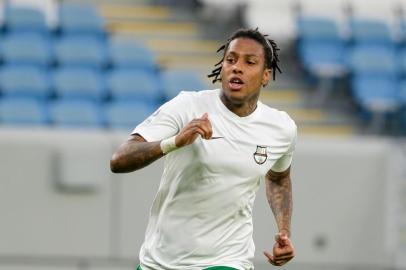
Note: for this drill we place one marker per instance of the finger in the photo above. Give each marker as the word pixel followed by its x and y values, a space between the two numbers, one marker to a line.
pixel 282 261
pixel 205 125
pixel 199 131
pixel 268 255
pixel 270 258
pixel 283 240
pixel 284 257
pixel 207 130
pixel 205 116
pixel 274 262
pixel 280 252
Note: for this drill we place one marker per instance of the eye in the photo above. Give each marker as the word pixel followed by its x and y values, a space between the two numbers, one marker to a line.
pixel 251 62
pixel 230 60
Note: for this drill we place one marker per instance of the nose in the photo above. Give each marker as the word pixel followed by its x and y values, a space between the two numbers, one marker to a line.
pixel 236 67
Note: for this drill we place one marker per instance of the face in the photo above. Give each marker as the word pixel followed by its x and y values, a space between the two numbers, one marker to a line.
pixel 243 70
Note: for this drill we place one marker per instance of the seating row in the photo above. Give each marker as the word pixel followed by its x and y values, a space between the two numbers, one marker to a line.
pixel 35 49
pixel 372 61
pixel 91 84
pixel 257 13
pixel 122 114
pixel 71 19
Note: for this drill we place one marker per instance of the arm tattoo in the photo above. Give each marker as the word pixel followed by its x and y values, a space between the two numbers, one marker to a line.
pixel 279 195
pixel 135 154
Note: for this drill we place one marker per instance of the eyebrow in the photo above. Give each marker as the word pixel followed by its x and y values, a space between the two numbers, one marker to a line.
pixel 246 55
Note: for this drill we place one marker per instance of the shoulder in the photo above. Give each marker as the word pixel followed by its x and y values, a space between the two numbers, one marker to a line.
pixel 196 99
pixel 202 94
pixel 280 119
pixel 187 101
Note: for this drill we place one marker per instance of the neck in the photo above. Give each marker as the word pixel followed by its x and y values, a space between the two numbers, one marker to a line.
pixel 243 108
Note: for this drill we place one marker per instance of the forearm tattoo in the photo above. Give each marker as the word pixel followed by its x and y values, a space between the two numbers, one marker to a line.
pixel 142 153
pixel 279 195
pixel 134 155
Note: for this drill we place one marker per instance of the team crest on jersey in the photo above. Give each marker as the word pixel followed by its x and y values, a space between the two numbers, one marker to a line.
pixel 260 155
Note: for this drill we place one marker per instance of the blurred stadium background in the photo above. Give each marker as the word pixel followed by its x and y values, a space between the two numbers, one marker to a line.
pixel 77 76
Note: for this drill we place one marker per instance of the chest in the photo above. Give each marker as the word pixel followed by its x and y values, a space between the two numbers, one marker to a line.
pixel 241 150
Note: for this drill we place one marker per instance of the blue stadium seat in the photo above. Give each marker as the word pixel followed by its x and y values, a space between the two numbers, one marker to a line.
pixel 80 19
pixel 403 122
pixel 137 84
pixel 22 111
pixel 370 32
pixel 126 53
pixel 27 49
pixel 79 83
pixel 365 59
pixel 402 92
pixel 402 30
pixel 25 81
pixel 401 61
pixel 323 58
pixel 177 80
pixel 80 51
pixel 76 114
pixel 25 19
pixel 378 98
pixel 126 115
pixel 318 28
pixel 377 93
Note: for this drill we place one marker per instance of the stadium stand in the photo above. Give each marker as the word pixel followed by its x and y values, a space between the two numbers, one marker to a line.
pixel 126 114
pixel 321 50
pixel 84 51
pixel 25 19
pixel 76 114
pixel 25 81
pixel 370 31
pixel 79 83
pixel 135 84
pixel 176 80
pixel 130 53
pixel 23 112
pixel 27 49
pixel 48 9
pixel 364 43
pixel 80 19
pixel 96 57
pixel 258 13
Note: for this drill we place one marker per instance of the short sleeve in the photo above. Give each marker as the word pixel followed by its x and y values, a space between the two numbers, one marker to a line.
pixel 283 163
pixel 165 122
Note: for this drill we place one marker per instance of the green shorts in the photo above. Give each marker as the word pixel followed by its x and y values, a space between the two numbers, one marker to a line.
pixel 210 268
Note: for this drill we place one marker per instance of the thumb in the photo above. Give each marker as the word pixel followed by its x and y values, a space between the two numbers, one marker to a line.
pixel 281 238
pixel 205 116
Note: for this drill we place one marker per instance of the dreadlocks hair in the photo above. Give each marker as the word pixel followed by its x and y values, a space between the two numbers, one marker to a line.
pixel 270 49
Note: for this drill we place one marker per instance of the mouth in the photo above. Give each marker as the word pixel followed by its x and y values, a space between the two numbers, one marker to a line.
pixel 235 83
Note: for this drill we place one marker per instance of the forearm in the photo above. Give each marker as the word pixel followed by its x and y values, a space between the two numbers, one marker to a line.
pixel 135 154
pixel 279 195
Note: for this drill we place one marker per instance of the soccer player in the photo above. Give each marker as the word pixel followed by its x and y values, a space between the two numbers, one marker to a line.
pixel 218 145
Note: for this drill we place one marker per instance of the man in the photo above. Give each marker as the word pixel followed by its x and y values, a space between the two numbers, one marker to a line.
pixel 218 145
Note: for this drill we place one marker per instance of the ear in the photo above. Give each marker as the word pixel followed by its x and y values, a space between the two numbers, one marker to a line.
pixel 265 76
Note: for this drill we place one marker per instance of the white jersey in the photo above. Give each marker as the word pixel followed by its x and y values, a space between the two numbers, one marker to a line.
pixel 202 213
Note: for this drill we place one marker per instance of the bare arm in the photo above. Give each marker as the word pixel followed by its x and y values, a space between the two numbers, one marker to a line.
pixel 279 195
pixel 136 152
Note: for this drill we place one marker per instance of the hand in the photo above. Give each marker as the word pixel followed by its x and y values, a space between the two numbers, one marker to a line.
pixel 198 126
pixel 283 250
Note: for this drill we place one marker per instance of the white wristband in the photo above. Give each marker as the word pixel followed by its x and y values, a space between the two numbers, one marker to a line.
pixel 168 145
